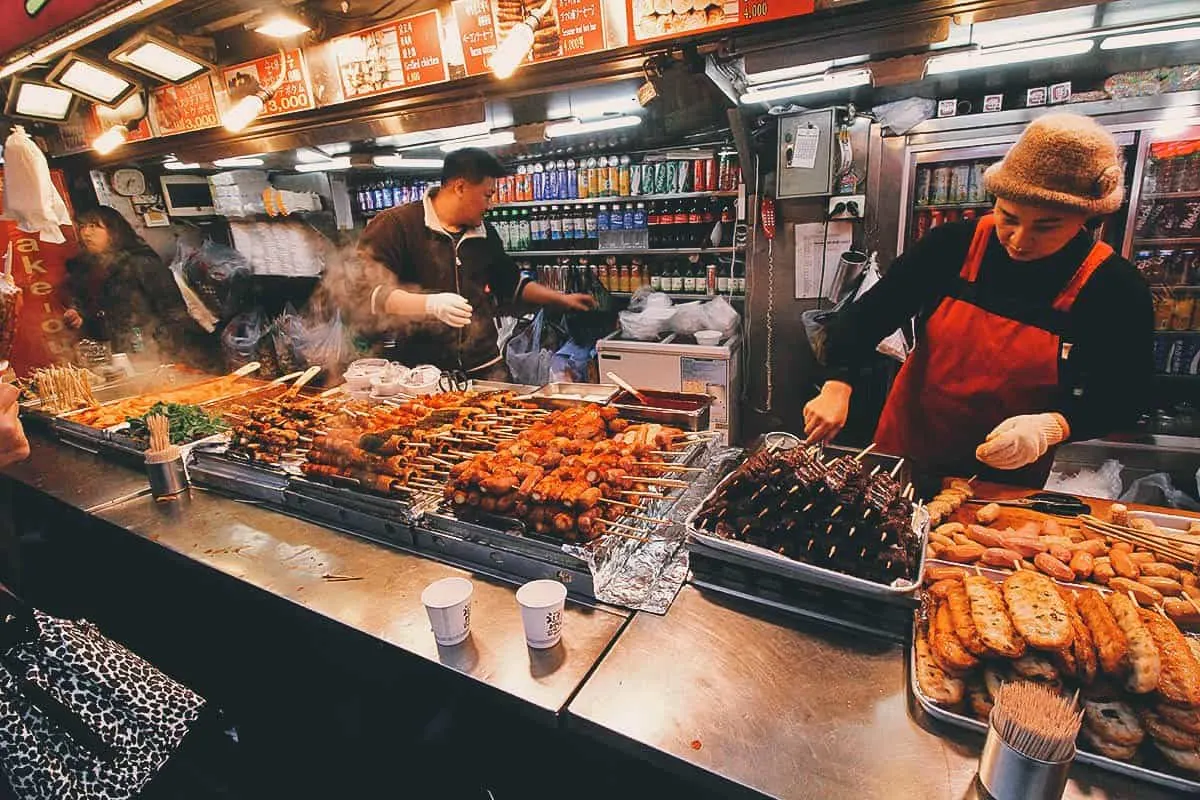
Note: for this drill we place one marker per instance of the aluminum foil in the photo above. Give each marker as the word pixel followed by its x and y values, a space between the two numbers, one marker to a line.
pixel 646 575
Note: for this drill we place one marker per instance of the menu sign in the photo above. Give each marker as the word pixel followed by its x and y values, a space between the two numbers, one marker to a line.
pixel 658 19
pixel 294 94
pixel 399 54
pixel 138 133
pixel 474 18
pixel 189 107
pixel 582 24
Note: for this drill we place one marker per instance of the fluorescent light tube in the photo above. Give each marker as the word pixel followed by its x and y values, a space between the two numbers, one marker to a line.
pixel 158 60
pixel 282 27
pixel 574 127
pixel 492 140
pixel 239 161
pixel 43 102
pixel 325 166
pixel 401 162
pixel 824 83
pixel 983 59
pixel 177 165
pixel 1167 36
pixel 92 82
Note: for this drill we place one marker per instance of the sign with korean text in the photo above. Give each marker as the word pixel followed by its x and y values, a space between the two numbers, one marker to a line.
pixel 398 55
pixel 180 109
pixel 478 34
pixel 25 22
pixel 294 94
pixel 661 19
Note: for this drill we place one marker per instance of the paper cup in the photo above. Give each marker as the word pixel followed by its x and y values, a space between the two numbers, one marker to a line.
pixel 542 612
pixel 448 603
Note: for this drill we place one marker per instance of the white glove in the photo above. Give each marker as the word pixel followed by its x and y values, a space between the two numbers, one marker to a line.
pixel 1022 440
pixel 452 309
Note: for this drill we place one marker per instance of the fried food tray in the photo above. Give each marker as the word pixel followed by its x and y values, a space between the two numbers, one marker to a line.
pixel 1150 774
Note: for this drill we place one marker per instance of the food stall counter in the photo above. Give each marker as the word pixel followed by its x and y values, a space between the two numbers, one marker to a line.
pixel 73 476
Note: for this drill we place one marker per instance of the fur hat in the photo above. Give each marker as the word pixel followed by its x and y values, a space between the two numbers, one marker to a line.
pixel 1064 161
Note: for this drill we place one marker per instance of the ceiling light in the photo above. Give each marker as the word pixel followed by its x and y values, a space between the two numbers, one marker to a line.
pixel 1168 36
pixel 110 140
pixel 239 161
pixel 336 149
pixel 822 83
pixel 517 44
pixel 342 162
pixel 306 155
pixel 244 111
pixel 786 73
pixel 601 108
pixel 91 81
pixel 177 165
pixel 33 100
pixel 982 59
pixel 574 127
pixel 89 31
pixel 434 136
pixel 492 140
pixel 159 58
pixel 282 27
pixel 400 162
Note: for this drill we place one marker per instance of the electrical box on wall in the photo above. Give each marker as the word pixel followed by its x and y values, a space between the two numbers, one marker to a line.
pixel 804 163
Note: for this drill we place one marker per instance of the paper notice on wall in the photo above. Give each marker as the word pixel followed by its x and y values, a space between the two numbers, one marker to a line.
pixel 818 248
pixel 804 149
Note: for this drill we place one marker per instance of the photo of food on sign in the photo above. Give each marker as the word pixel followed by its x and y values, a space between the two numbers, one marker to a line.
pixel 547 39
pixel 653 18
pixel 370 61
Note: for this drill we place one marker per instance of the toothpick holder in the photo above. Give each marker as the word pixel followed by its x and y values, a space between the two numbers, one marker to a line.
pixel 168 477
pixel 1009 775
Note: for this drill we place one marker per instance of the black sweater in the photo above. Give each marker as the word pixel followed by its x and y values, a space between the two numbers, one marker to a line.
pixel 1103 384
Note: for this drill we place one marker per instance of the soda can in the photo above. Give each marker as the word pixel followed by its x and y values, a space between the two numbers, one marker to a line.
pixel 664 181
pixel 921 193
pixel 698 176
pixel 960 183
pixel 683 176
pixel 710 174
pixel 635 180
pixel 939 190
pixel 977 192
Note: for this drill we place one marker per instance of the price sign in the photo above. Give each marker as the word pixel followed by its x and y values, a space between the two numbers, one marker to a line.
pixel 294 94
pixel 406 52
pixel 474 18
pixel 189 107
pixel 647 20
pixel 582 25
pixel 755 11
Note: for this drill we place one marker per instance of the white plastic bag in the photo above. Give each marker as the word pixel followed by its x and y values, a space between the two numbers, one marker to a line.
pixel 195 306
pixel 715 315
pixel 1157 490
pixel 903 115
pixel 1104 483
pixel 29 195
pixel 653 318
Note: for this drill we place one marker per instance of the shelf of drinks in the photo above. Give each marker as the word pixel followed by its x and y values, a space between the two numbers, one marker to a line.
pixel 951 206
pixel 657 251
pixel 639 198
pixel 687 296
pixel 1171 195
pixel 1140 242
pixel 1177 333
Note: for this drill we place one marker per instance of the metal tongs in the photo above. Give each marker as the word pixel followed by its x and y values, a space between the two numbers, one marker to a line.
pixel 1061 505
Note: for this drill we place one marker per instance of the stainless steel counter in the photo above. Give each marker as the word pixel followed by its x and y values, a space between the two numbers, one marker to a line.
pixel 299 561
pixel 762 708
pixel 74 476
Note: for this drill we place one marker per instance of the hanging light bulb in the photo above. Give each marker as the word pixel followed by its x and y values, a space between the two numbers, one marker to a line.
pixel 110 140
pixel 517 44
pixel 244 111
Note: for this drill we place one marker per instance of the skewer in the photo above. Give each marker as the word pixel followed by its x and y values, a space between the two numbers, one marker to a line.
pixel 629 493
pixel 868 449
pixel 655 520
pixel 661 482
pixel 896 469
pixel 621 503
pixel 668 467
pixel 1192 600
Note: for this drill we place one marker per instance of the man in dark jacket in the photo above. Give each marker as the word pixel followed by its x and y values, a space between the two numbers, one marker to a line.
pixel 452 270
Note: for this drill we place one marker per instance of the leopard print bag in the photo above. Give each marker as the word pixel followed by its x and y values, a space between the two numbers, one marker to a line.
pixel 82 717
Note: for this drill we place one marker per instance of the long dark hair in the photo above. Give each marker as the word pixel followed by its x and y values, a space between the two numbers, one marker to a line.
pixel 122 237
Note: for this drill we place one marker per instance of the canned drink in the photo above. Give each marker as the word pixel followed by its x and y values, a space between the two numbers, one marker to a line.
pixel 977 192
pixel 725 173
pixel 960 183
pixel 683 177
pixel 921 192
pixel 939 190
pixel 698 176
pixel 710 283
pixel 635 179
pixel 710 174
pixel 664 181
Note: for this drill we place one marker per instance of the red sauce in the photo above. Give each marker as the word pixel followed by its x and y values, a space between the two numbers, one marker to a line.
pixel 665 400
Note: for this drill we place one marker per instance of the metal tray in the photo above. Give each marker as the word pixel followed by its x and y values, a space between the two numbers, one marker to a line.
pixel 749 555
pixel 1169 780
pixel 690 420
pixel 567 395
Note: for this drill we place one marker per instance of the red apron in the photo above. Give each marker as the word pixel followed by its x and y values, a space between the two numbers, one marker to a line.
pixel 972 370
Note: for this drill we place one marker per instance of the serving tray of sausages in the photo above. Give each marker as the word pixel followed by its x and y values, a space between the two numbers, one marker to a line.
pixel 1136 672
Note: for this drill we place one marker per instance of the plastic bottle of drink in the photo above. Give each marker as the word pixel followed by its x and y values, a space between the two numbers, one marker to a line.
pixel 593 178
pixel 580 227
pixel 694 219
pixel 539 182
pixel 627 217
pixel 602 177
pixel 524 228
pixel 556 228
pixel 572 180
pixel 602 219
pixel 682 236
pixel 623 176
pixel 654 223
pixel 639 217
pixel 723 279
pixel 614 176
pixel 728 222
pixel 616 220
pixel 739 278
pixel 677 279
pixel 591 234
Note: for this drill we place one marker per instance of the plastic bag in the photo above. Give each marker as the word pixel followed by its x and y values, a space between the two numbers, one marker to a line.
pixel 329 345
pixel 195 306
pixel 570 363
pixel 240 339
pixel 287 337
pixel 1104 483
pixel 1157 490
pixel 903 115
pixel 29 195
pixel 219 274
pixel 527 360
pixel 649 315
pixel 715 315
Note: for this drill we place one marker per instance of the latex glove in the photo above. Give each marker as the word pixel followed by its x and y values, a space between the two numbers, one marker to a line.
pixel 452 309
pixel 1022 440
pixel 825 414
pixel 14 446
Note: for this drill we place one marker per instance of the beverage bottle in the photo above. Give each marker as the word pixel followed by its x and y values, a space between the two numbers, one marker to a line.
pixel 694 219
pixel 708 222
pixel 365 202
pixel 689 278
pixel 623 278
pixel 603 221
pixel 739 278
pixel 655 279
pixel 560 180
pixel 654 223
pixel 723 278
pixel 525 229
pixel 381 202
pixel 522 173
pixel 728 222
pixel 568 224
pixel 936 218
pixel 725 173
pixel 681 238
pixel 593 178
pixel 602 177
pixel 583 188
pixel 623 176
pixel 591 234
pixel 539 182
pixel 627 217
pixel 572 180
pixel 710 279
pixel 677 279
pixel 581 234
pixel 616 220
pixel 602 275
pixel 639 217
pixel 556 228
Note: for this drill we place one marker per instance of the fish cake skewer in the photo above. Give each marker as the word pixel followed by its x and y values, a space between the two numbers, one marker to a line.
pixel 1179 672
pixel 1112 648
pixel 948 650
pixel 1143 653
pixel 1037 611
pixel 959 605
pixel 991 618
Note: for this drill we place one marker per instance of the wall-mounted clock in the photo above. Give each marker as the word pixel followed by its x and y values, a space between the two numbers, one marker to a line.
pixel 129 182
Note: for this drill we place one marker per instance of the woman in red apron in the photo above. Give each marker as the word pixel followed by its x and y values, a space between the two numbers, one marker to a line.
pixel 1030 331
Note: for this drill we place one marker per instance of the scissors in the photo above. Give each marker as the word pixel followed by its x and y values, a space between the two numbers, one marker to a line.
pixel 1062 505
pixel 454 380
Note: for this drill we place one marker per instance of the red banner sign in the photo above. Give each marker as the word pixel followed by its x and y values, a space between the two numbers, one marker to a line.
pixel 180 109
pixel 664 19
pixel 27 22
pixel 294 94
pixel 474 18
pixel 582 23
pixel 407 52
pixel 138 133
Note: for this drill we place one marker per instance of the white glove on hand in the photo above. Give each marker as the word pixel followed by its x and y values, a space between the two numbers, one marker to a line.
pixel 1022 440
pixel 452 309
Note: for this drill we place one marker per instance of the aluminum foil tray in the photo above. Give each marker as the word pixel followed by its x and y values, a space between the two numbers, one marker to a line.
pixel 1190 786
pixel 215 470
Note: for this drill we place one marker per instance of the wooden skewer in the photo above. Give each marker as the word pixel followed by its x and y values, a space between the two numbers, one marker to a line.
pixel 668 467
pixel 655 520
pixel 621 503
pixel 863 454
pixel 1192 600
pixel 896 469
pixel 629 493
pixel 660 482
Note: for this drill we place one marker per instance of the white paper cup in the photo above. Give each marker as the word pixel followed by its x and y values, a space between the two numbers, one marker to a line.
pixel 542 612
pixel 448 603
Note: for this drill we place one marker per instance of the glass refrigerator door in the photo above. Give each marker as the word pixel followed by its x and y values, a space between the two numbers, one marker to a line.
pixel 1166 250
pixel 947 186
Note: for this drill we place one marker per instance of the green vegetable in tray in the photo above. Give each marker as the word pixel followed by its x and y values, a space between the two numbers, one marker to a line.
pixel 188 423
